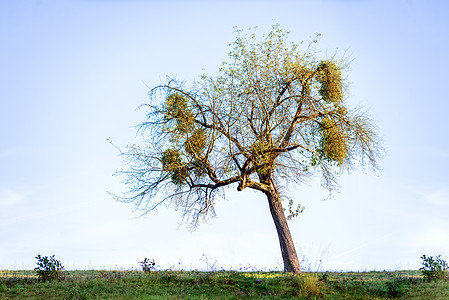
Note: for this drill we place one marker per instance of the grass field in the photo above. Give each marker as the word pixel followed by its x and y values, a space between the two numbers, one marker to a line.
pixel 221 285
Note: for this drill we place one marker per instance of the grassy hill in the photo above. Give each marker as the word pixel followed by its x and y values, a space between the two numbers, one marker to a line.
pixel 221 285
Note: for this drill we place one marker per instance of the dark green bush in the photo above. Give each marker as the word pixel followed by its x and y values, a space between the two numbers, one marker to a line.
pixel 396 288
pixel 48 268
pixel 147 265
pixel 434 268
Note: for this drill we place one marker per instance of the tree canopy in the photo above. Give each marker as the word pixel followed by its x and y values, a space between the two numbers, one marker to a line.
pixel 273 116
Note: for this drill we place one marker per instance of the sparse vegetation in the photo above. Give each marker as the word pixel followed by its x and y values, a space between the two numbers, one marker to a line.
pixel 168 284
pixel 151 283
pixel 434 268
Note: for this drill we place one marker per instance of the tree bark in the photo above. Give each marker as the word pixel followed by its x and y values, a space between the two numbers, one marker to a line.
pixel 291 262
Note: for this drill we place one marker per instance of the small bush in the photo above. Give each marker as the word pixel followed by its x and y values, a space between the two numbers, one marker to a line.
pixel 324 278
pixel 147 265
pixel 48 268
pixel 434 268
pixel 396 288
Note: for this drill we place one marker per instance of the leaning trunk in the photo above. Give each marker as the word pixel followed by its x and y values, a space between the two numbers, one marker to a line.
pixel 291 263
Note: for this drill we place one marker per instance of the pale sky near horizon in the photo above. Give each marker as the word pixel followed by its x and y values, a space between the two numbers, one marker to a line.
pixel 73 72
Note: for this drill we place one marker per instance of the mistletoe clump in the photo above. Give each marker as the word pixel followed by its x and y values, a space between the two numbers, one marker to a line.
pixel 195 142
pixel 260 151
pixel 176 108
pixel 334 141
pixel 329 76
pixel 173 165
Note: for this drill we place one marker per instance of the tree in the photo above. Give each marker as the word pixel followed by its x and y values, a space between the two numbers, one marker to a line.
pixel 273 116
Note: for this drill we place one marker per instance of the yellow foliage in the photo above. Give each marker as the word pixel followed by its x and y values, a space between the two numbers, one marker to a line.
pixel 260 151
pixel 195 142
pixel 172 163
pixel 329 76
pixel 171 160
pixel 199 167
pixel 334 142
pixel 176 107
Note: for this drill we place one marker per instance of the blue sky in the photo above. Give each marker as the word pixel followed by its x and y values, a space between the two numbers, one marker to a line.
pixel 73 73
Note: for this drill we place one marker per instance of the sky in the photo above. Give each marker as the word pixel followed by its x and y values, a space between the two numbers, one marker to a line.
pixel 73 73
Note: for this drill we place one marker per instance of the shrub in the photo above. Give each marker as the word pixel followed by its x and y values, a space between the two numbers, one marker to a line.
pixel 434 268
pixel 48 268
pixel 396 288
pixel 147 265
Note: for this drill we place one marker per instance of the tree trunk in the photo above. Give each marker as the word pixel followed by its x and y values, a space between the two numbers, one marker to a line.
pixel 291 262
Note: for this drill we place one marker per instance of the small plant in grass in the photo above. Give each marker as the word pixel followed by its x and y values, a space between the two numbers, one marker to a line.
pixel 310 285
pixel 307 285
pixel 147 265
pixel 434 268
pixel 48 268
pixel 324 277
pixel 396 288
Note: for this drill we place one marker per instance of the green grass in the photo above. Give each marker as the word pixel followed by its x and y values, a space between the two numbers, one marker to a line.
pixel 221 285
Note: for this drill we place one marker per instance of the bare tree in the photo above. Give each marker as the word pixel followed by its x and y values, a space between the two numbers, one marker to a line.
pixel 273 116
